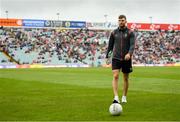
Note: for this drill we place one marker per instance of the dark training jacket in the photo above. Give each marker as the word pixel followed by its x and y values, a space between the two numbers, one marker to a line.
pixel 121 42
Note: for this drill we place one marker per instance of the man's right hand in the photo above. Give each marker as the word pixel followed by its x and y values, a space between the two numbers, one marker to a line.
pixel 107 61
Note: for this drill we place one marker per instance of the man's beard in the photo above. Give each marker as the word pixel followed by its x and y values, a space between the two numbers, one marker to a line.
pixel 121 26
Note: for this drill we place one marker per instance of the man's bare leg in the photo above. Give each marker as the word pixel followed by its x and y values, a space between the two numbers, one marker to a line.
pixel 115 84
pixel 125 86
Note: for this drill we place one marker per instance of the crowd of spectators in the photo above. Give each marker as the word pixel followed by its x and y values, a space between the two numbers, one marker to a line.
pixel 157 47
pixel 85 46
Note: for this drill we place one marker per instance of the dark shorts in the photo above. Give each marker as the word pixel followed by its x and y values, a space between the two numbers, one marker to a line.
pixel 126 66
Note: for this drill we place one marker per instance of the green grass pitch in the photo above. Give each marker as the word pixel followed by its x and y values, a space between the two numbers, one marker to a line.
pixel 85 94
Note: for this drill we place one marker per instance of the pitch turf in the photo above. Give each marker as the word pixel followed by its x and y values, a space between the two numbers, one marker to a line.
pixel 86 93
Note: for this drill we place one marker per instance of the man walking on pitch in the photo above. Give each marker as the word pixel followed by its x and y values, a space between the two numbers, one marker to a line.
pixel 121 44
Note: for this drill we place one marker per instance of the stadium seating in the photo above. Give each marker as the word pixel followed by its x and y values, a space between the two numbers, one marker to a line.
pixel 4 60
pixel 83 46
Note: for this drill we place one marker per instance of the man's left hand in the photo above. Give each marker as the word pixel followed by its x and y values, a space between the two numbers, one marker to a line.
pixel 127 57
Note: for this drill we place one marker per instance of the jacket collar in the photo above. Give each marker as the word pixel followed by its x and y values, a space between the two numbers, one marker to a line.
pixel 122 29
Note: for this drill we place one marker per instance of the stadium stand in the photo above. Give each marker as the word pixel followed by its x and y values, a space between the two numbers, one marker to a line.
pixel 83 46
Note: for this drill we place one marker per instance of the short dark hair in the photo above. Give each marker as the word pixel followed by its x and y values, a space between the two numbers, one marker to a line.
pixel 122 16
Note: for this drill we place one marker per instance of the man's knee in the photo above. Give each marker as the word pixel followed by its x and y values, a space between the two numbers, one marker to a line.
pixel 116 76
pixel 126 77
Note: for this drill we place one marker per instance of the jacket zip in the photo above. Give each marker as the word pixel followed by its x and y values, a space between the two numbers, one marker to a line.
pixel 121 46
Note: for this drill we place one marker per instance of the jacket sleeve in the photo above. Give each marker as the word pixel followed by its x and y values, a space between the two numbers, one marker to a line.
pixel 110 45
pixel 132 43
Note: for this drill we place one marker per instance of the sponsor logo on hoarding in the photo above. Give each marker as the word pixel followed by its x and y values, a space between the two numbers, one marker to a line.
pixel 77 24
pixel 10 22
pixel 135 26
pixel 96 25
pixel 49 23
pixel 19 22
pixel 172 27
pixel 33 23
pixel 154 27
pixel 67 24
pixel 73 24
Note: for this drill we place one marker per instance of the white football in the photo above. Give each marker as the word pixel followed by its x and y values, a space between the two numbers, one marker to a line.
pixel 115 109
